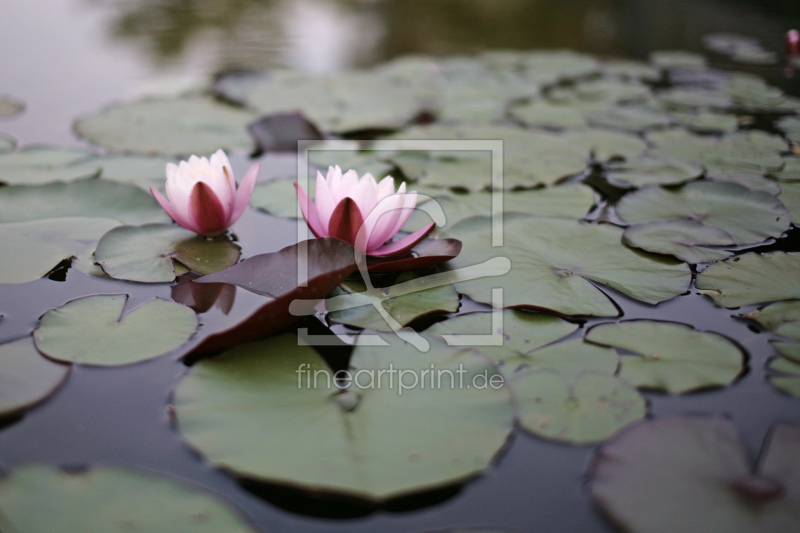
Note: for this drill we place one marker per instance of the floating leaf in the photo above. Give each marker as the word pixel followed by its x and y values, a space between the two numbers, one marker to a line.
pixel 142 171
pixel 171 126
pixel 790 196
pixel 553 259
pixel 92 330
pixel 687 240
pixel 469 170
pixel 374 440
pixel 669 356
pixel 787 378
pixel 753 94
pixel 668 59
pixel 790 170
pixel 790 350
pixel 629 118
pixel 752 278
pixel 631 69
pixel 372 161
pixel 605 145
pixel 146 253
pixel 651 171
pixel 680 98
pixel 32 249
pixel 282 131
pixel 405 301
pixel 782 318
pixel 588 409
pixel 569 358
pixel 326 263
pixel 106 499
pixel 707 122
pixel 427 253
pixel 791 127
pixel 749 217
pixel 693 474
pixel 278 198
pixel 753 182
pixel 543 114
pixel 84 198
pixel 35 165
pixel 27 377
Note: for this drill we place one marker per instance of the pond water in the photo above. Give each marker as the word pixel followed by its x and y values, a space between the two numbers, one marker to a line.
pixel 69 58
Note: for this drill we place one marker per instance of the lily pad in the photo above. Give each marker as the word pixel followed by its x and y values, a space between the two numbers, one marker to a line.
pixel 786 377
pixel 544 114
pixel 625 68
pixel 749 217
pixel 569 358
pixel 147 253
pixel 518 332
pixel 32 249
pixel 373 440
pixel 752 278
pixel 468 170
pixel 790 170
pixel 85 198
pixel 170 126
pixel 605 145
pixel 405 301
pixel 553 259
pixel 35 165
pixel 791 127
pixel 109 499
pixel 668 59
pixel 782 318
pixel 628 118
pixel 707 122
pixel 687 240
pixel 790 196
pixel 651 171
pixel 790 350
pixel 140 170
pixel 278 198
pixel 7 143
pixel 693 474
pixel 669 356
pixel 92 330
pixel 27 377
pixel 10 106
pixel 588 409
pixel 682 99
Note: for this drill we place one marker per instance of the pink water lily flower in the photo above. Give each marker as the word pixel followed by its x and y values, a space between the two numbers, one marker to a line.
pixel 203 196
pixel 344 204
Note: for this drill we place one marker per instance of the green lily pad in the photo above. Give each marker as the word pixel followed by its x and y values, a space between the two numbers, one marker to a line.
pixel 553 259
pixel 628 118
pixel 35 165
pixel 405 301
pixel 544 114
pixel 10 106
pixel 669 356
pixel 629 69
pixel 746 151
pixel 753 182
pixel 707 122
pixel 786 377
pixel 142 171
pixel 569 358
pixel 84 198
pixel 752 278
pixel 467 170
pixel 518 332
pixel 7 143
pixel 790 350
pixel 668 59
pixel 694 474
pixel 790 196
pixel 32 249
pixel 278 198
pixel 605 145
pixel 652 171
pixel 791 127
pixel 748 216
pixel 108 500
pixel 170 126
pixel 752 93
pixel 92 330
pixel 529 158
pixel 782 318
pixel 790 170
pixel 588 409
pixel 373 440
pixel 679 98
pixel 600 93
pixel 687 240
pixel 146 253
pixel 545 67
pixel 27 377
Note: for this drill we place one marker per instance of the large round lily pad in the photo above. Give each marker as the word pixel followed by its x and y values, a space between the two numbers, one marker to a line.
pixel 694 475
pixel 782 318
pixel 32 249
pixel 140 170
pixel 669 356
pixel 27 377
pixel 146 253
pixel 278 198
pixel 748 216
pixel 171 126
pixel 687 240
pixel 605 145
pixel 109 500
pixel 91 330
pixel 652 171
pixel 587 409
pixel 37 164
pixel 786 375
pixel 407 300
pixel 552 261
pixel 790 196
pixel 752 278
pixel 374 440
pixel 84 198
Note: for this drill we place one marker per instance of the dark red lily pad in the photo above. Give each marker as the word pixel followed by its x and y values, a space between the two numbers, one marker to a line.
pixel 275 276
pixel 281 131
pixel 426 253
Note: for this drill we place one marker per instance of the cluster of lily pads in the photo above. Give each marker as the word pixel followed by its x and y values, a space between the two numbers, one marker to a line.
pixel 645 179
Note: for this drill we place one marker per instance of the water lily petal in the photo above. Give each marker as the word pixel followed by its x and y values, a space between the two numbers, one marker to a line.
pixel 383 219
pixel 409 201
pixel 171 211
pixel 324 198
pixel 403 245
pixel 365 193
pixel 345 222
pixel 209 215
pixel 243 194
pixel 310 213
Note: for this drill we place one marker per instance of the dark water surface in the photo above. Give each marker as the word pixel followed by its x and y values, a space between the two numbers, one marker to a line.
pixel 69 57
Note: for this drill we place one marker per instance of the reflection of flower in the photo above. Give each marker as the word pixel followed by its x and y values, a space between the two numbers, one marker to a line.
pixel 343 201
pixel 203 196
